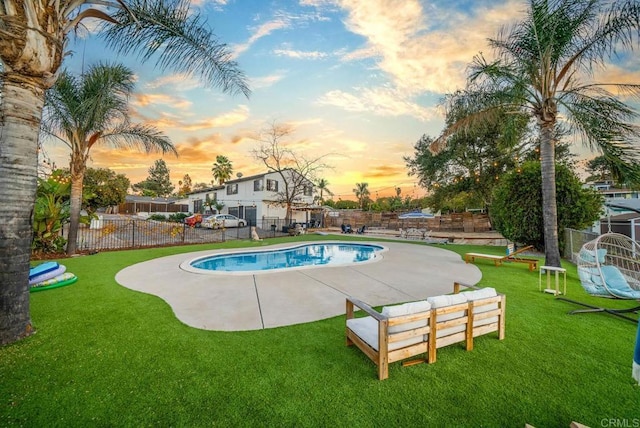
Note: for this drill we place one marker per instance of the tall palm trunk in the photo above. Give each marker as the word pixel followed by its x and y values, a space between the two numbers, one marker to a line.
pixel 20 113
pixel 78 168
pixel 549 202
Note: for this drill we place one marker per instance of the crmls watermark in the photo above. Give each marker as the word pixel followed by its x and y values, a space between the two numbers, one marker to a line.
pixel 620 423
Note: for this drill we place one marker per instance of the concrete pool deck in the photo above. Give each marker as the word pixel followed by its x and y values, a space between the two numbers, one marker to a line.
pixel 235 302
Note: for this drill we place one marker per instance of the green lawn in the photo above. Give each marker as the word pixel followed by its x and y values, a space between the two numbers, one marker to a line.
pixel 104 355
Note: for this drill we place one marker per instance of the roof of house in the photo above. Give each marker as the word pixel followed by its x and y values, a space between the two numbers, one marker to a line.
pixel 150 199
pixel 621 217
pixel 632 204
pixel 206 189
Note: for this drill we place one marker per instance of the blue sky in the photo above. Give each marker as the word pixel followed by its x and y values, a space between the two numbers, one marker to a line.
pixel 357 80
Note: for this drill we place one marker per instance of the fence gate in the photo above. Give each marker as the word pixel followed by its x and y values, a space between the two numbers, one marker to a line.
pixel 250 215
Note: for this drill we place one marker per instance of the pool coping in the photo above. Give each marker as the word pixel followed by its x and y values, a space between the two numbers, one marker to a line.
pixel 187 264
pixel 407 272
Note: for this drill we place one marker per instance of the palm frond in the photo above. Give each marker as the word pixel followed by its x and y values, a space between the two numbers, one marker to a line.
pixel 139 137
pixel 180 39
pixel 603 121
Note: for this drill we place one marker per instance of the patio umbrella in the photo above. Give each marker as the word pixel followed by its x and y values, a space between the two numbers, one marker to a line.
pixel 636 357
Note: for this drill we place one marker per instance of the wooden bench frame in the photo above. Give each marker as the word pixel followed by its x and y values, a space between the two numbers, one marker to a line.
pixel 508 258
pixel 383 357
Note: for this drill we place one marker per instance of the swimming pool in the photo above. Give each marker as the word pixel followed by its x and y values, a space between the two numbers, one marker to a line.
pixel 297 257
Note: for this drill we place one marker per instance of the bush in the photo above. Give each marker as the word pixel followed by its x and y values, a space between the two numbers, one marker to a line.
pixel 178 217
pixel 157 217
pixel 516 211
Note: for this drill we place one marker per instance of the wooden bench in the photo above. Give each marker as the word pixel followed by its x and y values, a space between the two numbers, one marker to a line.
pixel 403 331
pixel 512 257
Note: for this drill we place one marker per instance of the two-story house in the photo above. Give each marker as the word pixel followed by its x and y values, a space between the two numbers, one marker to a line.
pixel 259 197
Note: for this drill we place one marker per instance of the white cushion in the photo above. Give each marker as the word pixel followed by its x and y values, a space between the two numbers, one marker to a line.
pixel 483 293
pixel 448 300
pixel 407 309
pixel 444 301
pixel 367 329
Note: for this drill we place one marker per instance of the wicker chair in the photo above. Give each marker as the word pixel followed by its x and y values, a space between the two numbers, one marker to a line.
pixel 609 266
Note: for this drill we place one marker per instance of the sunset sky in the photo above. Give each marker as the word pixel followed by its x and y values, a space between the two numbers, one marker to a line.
pixel 359 80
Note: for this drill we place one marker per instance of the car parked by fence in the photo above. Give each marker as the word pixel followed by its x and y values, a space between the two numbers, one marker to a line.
pixel 223 220
pixel 193 220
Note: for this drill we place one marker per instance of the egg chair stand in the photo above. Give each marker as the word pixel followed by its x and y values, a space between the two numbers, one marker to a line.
pixel 592 309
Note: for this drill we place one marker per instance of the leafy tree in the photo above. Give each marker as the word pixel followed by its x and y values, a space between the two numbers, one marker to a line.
pixel 104 188
pixel 346 205
pixel 90 110
pixel 158 183
pixel 543 69
pixel 201 186
pixel 222 169
pixel 472 160
pixel 32 46
pixel 212 204
pixel 605 167
pixel 51 212
pixel 517 210
pixel 362 194
pixel 296 171
pixel 184 185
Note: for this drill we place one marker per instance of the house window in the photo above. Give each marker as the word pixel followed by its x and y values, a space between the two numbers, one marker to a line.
pixel 272 185
pixel 232 189
pixel 197 205
pixel 308 190
pixel 257 186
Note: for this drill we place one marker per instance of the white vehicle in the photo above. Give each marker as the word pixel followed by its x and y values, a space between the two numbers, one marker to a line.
pixel 223 220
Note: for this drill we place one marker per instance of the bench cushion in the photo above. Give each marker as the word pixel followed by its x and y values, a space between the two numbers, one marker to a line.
pixel 367 329
pixel 407 309
pixel 483 293
pixel 444 301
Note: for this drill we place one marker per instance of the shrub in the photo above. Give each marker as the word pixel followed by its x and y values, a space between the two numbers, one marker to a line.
pixel 516 211
pixel 178 217
pixel 157 217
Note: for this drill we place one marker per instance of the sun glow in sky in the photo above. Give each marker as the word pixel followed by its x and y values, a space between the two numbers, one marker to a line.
pixel 358 80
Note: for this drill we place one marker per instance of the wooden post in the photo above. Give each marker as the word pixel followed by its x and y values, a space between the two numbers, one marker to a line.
pixel 383 350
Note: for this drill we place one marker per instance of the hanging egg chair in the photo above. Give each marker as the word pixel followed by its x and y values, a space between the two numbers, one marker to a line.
pixel 609 266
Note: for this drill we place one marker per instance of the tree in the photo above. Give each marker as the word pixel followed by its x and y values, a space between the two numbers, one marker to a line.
pixel 184 186
pixel 222 169
pixel 91 110
pixel 322 188
pixel 603 168
pixel 362 194
pixel 201 186
pixel 104 188
pixel 33 38
pixel 471 162
pixel 158 183
pixel 296 171
pixel 543 69
pixel 50 212
pixel 516 211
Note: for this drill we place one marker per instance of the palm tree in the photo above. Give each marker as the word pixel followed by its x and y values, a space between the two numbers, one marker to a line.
pixel 222 169
pixel 544 69
pixel 33 38
pixel 322 186
pixel 362 193
pixel 93 110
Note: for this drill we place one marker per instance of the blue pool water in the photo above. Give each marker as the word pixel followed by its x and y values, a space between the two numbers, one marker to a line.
pixel 292 257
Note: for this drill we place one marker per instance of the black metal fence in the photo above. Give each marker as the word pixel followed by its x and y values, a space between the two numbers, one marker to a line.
pixel 126 233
